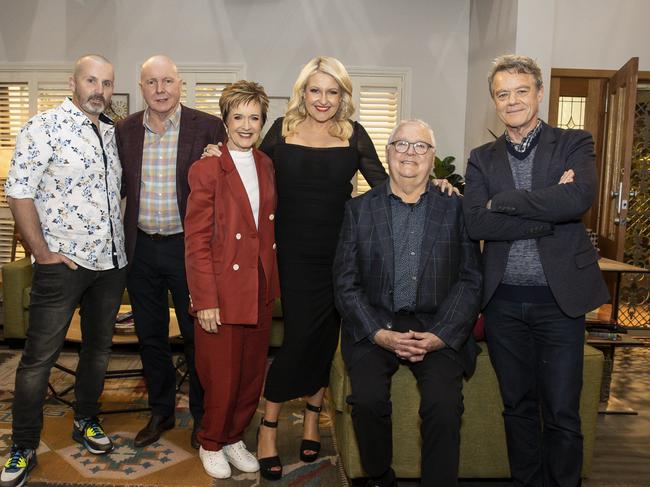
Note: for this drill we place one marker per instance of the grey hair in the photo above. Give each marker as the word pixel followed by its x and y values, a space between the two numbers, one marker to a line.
pixel 515 64
pixel 415 121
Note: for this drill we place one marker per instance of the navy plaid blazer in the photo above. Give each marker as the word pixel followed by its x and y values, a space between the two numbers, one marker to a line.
pixel 449 275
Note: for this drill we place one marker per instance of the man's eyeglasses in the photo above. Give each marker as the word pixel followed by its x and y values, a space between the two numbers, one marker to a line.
pixel 419 147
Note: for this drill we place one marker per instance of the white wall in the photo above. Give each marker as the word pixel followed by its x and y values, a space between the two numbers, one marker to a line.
pixel 601 34
pixel 493 31
pixel 273 38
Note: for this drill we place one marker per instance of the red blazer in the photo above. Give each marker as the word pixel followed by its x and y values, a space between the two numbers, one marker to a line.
pixel 222 244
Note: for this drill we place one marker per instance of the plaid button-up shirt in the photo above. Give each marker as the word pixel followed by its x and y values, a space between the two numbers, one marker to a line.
pixel 158 200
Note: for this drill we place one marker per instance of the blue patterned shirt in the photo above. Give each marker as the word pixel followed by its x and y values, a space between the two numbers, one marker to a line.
pixel 58 162
pixel 407 227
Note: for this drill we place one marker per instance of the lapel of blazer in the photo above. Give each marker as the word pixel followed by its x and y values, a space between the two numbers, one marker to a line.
pixel 380 214
pixel 236 187
pixel 134 149
pixel 264 180
pixel 434 218
pixel 502 173
pixel 542 161
pixel 185 138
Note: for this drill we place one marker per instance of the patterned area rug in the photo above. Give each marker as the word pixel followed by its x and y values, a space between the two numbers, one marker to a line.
pixel 168 462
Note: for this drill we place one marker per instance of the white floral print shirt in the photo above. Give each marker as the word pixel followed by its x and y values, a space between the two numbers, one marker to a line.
pixel 58 163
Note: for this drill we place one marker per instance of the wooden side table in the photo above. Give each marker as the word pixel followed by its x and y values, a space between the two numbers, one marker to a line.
pixel 609 403
pixel 74 335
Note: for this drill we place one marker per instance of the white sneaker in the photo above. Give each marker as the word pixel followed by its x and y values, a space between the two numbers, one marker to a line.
pixel 240 457
pixel 215 463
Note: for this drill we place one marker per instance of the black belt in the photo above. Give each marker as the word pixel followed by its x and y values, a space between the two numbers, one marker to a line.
pixel 160 236
pixel 405 312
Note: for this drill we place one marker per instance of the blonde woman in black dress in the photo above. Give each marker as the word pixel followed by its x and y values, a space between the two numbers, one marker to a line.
pixel 316 151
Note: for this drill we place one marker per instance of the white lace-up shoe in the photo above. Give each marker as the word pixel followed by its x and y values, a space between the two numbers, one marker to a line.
pixel 215 463
pixel 240 457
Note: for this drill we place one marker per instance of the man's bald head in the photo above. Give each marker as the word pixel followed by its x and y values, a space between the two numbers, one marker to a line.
pixel 159 61
pixel 161 86
pixel 91 84
pixel 83 61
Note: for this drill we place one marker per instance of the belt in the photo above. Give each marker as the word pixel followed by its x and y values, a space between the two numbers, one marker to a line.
pixel 160 236
pixel 405 312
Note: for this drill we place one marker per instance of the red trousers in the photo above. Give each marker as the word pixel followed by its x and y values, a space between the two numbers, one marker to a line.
pixel 231 366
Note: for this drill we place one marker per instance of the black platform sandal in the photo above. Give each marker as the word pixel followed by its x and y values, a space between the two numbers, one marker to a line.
pixel 310 444
pixel 269 463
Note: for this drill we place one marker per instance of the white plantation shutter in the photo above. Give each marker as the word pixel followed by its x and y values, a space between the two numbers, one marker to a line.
pixel 205 97
pixel 24 91
pixel 378 113
pixel 380 98
pixel 19 102
pixel 51 94
pixel 14 112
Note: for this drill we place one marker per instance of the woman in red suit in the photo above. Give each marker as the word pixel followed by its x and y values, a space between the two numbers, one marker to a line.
pixel 233 278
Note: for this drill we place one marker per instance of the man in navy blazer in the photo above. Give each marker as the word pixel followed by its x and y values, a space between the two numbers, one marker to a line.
pixel 525 195
pixel 157 146
pixel 408 285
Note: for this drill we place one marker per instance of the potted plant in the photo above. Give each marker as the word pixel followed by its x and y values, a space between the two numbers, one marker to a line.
pixel 444 169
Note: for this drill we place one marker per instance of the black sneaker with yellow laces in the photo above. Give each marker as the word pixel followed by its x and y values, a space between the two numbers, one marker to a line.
pixel 17 467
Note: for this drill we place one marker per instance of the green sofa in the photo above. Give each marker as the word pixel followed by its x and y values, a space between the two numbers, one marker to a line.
pixel 483 445
pixel 17 280
pixel 16 283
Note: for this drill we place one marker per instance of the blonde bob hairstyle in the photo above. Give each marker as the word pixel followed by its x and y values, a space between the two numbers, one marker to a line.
pixel 296 110
pixel 243 92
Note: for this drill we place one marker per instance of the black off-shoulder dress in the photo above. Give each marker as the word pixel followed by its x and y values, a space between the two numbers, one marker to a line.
pixel 313 185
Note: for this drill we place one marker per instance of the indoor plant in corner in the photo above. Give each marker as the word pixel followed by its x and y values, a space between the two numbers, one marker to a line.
pixel 444 169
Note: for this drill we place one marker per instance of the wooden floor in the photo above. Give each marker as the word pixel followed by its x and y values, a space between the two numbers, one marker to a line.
pixel 622 456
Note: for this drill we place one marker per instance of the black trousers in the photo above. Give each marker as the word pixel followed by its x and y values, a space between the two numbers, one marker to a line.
pixel 158 268
pixel 537 353
pixel 56 291
pixel 440 379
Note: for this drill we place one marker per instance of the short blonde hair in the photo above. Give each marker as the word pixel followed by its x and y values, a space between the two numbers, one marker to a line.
pixel 243 92
pixel 296 110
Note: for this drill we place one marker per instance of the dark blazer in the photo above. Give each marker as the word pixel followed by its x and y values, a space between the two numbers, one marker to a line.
pixel 197 129
pixel 222 244
pixel 449 275
pixel 550 212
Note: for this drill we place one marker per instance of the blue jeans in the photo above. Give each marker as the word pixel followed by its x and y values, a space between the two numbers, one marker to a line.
pixel 537 353
pixel 56 291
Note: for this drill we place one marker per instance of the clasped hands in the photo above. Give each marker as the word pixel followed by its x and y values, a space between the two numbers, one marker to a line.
pixel 410 345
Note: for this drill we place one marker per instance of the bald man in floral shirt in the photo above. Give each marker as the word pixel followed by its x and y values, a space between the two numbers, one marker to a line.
pixel 64 192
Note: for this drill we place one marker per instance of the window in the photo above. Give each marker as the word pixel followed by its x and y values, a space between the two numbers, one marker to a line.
pixel 381 98
pixel 25 91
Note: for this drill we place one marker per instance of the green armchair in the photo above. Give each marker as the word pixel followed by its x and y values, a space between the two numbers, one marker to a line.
pixel 16 282
pixel 483 451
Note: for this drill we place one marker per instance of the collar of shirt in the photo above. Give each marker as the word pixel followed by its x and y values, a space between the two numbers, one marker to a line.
pixel 392 195
pixel 105 124
pixel 528 141
pixel 173 121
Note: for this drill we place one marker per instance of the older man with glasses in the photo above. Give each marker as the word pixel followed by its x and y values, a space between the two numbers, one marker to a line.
pixel 408 285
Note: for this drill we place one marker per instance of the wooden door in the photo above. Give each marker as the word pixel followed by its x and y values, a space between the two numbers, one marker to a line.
pixel 615 172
